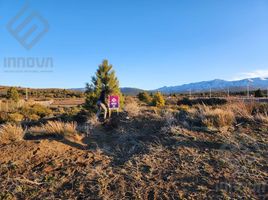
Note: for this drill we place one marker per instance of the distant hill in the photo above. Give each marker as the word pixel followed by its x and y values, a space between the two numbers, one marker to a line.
pixel 217 85
pixel 124 90
pixel 131 91
pixel 79 89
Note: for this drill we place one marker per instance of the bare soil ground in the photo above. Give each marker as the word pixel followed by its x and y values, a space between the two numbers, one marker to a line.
pixel 135 159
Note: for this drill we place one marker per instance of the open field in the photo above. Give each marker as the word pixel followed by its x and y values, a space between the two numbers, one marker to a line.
pixel 174 152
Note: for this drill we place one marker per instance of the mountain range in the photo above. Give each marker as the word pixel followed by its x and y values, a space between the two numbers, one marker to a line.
pixel 218 85
pixel 204 86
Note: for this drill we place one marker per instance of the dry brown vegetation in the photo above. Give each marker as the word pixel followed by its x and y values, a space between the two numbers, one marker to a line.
pixel 182 152
pixel 10 133
pixel 132 107
pixel 55 128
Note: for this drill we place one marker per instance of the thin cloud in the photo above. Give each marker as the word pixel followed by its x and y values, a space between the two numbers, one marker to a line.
pixel 262 74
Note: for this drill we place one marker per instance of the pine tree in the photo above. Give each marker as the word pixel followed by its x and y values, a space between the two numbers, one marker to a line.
pixel 106 79
pixel 13 94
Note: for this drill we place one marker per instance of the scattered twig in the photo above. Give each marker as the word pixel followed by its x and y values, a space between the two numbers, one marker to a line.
pixel 25 180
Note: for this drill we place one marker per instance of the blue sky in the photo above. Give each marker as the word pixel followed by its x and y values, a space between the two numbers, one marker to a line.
pixel 151 43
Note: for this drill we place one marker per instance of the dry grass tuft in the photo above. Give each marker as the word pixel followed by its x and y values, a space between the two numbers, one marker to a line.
pixel 242 110
pixel 218 118
pixel 184 107
pixel 262 118
pixel 55 128
pixel 93 121
pixel 132 107
pixel 11 133
pixel 202 116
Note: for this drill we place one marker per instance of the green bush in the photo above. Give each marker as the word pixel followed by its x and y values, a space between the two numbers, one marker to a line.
pixel 13 94
pixel 31 112
pixel 83 116
pixel 145 97
pixel 41 111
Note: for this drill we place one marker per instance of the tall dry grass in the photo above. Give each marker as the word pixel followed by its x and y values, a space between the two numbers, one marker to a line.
pixel 132 107
pixel 263 118
pixel 227 115
pixel 252 111
pixel 55 128
pixel 11 133
pixel 242 109
pixel 8 106
pixel 218 117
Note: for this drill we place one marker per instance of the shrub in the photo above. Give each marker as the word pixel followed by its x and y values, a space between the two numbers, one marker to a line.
pixel 33 117
pixel 30 112
pixel 208 102
pixel 145 97
pixel 171 101
pixel 40 110
pixel 184 107
pixel 8 106
pixel 82 116
pixel 170 123
pixel 15 117
pixel 158 100
pixel 13 94
pixel 185 101
pixel 73 111
pixel 11 133
pixel 70 114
